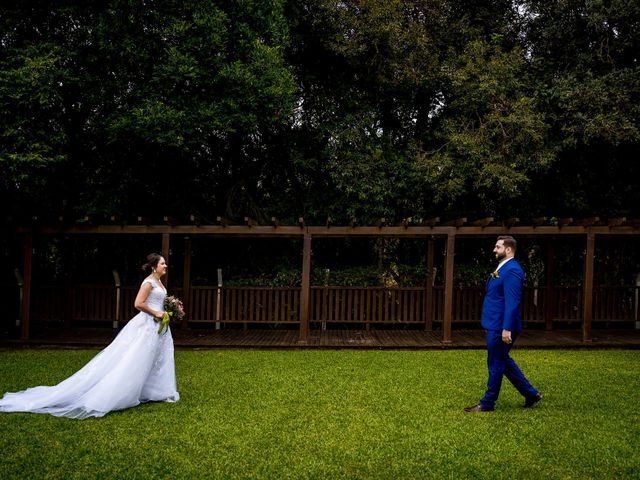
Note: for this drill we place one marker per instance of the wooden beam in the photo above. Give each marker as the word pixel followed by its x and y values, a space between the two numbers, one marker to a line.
pixel 186 282
pixel 322 230
pixel 305 292
pixel 26 287
pixel 117 220
pixel 250 222
pixel 195 219
pixel 616 222
pixel 587 305
pixel 428 291
pixel 165 254
pixel 382 231
pixel 549 301
pixel 483 222
pixel 456 223
pixel 585 222
pixel 431 222
pixel 448 290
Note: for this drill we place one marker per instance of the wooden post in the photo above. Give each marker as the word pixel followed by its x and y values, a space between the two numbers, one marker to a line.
pixel 428 291
pixel 219 299
pixel 26 293
pixel 186 281
pixel 550 301
pixel 587 296
pixel 305 290
pixel 448 289
pixel 165 254
pixel 118 285
pixel 68 309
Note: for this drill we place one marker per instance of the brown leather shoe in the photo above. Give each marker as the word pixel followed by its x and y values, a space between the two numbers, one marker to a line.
pixel 478 408
pixel 531 401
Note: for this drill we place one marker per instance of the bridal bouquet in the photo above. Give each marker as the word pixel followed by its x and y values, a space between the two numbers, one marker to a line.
pixel 173 309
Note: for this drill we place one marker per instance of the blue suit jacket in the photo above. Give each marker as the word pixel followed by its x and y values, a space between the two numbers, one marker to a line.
pixel 501 306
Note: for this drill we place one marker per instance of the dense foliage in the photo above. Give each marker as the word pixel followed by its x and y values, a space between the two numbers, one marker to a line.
pixel 139 108
pixel 319 108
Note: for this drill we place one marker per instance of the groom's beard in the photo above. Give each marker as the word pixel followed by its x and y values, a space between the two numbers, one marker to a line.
pixel 501 256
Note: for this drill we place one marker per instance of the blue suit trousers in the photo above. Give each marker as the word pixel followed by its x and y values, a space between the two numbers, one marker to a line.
pixel 500 364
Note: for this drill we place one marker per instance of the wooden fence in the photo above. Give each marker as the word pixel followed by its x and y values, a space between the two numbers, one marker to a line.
pixel 329 305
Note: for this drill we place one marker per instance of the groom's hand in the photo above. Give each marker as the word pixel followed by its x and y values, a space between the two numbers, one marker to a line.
pixel 506 336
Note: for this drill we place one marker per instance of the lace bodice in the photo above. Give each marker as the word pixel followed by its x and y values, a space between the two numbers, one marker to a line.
pixel 156 297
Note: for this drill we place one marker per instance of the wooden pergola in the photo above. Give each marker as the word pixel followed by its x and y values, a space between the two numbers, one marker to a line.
pixel 587 229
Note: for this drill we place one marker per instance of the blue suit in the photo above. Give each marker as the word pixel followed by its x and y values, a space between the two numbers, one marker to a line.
pixel 501 311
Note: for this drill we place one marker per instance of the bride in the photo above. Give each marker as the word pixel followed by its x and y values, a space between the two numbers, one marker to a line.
pixel 136 367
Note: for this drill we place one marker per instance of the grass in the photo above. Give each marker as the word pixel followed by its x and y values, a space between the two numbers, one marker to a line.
pixel 338 414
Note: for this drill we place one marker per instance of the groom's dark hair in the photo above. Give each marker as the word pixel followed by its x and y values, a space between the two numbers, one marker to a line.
pixel 509 241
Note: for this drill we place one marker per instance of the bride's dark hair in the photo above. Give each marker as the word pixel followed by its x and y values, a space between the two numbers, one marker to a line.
pixel 152 262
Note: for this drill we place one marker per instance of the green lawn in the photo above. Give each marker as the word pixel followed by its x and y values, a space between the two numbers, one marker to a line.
pixel 338 414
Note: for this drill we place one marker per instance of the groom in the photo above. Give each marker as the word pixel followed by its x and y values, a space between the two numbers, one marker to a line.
pixel 502 320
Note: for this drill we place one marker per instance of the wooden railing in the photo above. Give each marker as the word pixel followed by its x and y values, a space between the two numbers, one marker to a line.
pixel 344 305
pixel 244 305
pixel 80 303
pixel 367 305
pixel 616 303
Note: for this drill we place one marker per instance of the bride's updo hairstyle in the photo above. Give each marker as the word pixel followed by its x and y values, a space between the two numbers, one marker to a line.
pixel 152 262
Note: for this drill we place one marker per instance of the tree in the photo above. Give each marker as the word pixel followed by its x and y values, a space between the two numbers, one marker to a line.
pixel 390 93
pixel 584 60
pixel 492 133
pixel 163 105
pixel 369 78
pixel 402 108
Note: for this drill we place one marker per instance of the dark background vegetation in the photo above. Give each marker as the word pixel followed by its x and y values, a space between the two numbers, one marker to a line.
pixel 355 109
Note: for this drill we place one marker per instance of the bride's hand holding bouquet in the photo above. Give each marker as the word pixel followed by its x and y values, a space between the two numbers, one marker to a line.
pixel 173 309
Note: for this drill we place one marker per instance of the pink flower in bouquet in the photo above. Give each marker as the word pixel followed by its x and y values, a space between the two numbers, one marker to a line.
pixel 173 309
pixel 174 306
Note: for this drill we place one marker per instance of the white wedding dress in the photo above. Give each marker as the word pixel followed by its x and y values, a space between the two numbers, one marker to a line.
pixel 136 367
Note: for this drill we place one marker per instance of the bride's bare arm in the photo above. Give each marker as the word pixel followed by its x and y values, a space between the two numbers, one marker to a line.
pixel 141 298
